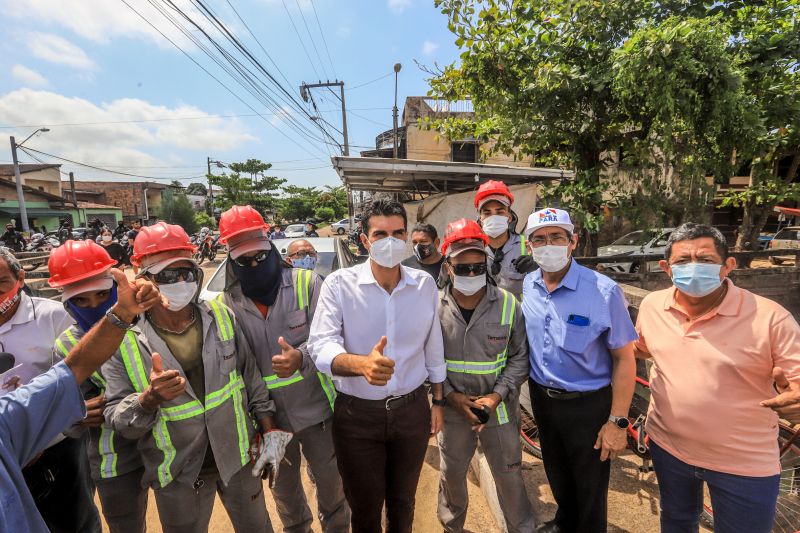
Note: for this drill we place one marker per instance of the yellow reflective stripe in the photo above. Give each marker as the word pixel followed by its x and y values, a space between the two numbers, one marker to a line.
pixel 236 385
pixel 502 413
pixel 108 461
pixel 307 285
pixel 224 324
pixel 477 367
pixel 219 397
pixel 132 359
pixel 61 348
pixel 182 412
pixel 164 443
pixel 327 386
pixel 274 382
pixel 99 381
pixel 522 249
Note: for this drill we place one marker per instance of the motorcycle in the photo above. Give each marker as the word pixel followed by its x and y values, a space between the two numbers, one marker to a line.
pixel 39 243
pixel 207 247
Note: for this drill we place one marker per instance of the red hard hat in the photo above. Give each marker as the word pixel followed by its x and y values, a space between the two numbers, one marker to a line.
pixel 75 261
pixel 492 188
pixel 463 229
pixel 240 219
pixel 160 237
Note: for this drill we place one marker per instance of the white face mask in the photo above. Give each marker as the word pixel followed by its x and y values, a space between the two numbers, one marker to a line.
pixel 179 294
pixel 106 238
pixel 495 225
pixel 388 252
pixel 469 285
pixel 551 258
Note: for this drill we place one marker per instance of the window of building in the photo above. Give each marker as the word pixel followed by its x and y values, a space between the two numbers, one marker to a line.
pixel 464 152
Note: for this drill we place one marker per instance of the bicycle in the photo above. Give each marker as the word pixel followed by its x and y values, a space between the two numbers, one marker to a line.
pixel 787 516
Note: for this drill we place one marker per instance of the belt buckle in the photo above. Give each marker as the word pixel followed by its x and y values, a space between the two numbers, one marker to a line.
pixel 391 399
pixel 552 393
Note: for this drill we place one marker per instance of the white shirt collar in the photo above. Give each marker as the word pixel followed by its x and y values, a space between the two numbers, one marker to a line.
pixel 365 276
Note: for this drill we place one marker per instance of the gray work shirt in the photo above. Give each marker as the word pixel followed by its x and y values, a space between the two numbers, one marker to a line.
pixel 508 278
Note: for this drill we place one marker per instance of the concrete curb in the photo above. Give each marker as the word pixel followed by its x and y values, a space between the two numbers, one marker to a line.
pixel 480 467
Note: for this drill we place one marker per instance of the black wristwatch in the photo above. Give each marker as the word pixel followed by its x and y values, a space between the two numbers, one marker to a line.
pixel 117 321
pixel 621 422
pixel 439 403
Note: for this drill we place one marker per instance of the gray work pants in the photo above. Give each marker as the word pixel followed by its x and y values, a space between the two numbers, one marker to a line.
pixel 184 508
pixel 290 499
pixel 503 451
pixel 124 502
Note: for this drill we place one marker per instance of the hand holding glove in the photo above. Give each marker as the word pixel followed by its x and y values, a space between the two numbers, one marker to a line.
pixel 524 264
pixel 267 452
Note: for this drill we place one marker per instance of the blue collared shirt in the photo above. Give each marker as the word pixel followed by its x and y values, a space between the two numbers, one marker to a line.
pixel 30 417
pixel 572 329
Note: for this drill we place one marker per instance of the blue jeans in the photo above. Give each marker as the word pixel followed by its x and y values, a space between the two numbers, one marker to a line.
pixel 740 503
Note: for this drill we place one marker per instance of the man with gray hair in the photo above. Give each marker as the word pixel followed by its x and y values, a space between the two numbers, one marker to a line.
pixel 59 480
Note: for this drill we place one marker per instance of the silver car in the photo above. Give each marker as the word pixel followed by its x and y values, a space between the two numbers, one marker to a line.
pixel 341 227
pixel 640 242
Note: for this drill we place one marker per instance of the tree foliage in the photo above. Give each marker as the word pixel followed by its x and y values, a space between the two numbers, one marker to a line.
pixel 671 91
pixel 177 209
pixel 197 188
pixel 247 185
pixel 303 203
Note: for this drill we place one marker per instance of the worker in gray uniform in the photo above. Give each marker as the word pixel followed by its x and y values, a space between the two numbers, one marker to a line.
pixel 186 384
pixel 506 253
pixel 274 304
pixel 82 270
pixel 487 362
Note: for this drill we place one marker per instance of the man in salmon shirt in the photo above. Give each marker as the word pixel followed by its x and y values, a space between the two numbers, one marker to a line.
pixel 718 351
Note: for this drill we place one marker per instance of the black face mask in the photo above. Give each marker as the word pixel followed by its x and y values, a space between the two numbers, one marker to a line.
pixel 423 251
pixel 261 282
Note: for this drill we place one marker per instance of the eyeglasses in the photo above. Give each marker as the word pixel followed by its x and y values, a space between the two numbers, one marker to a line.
pixel 169 276
pixel 245 261
pixel 302 254
pixel 557 239
pixel 497 264
pixel 465 269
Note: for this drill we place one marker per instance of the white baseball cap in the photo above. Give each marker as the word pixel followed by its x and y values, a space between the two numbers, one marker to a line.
pixel 549 216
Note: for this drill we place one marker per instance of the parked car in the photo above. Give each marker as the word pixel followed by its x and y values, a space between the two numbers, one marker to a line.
pixel 295 230
pixel 332 254
pixel 640 242
pixel 341 227
pixel 788 237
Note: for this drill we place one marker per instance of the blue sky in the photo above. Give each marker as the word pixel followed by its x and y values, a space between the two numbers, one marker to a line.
pixel 118 95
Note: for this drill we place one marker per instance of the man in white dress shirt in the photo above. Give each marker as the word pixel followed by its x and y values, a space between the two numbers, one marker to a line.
pixel 376 332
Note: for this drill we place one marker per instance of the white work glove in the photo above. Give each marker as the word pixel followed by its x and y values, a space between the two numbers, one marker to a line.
pixel 269 453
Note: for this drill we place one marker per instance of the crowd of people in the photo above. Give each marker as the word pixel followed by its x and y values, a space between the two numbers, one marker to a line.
pixel 136 385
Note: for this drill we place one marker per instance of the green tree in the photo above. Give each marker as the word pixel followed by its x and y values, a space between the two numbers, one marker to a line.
pixel 177 209
pixel 247 185
pixel 298 203
pixel 204 219
pixel 197 189
pixel 324 214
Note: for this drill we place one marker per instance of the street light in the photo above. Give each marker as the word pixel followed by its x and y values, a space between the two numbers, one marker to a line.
pixel 397 67
pixel 23 212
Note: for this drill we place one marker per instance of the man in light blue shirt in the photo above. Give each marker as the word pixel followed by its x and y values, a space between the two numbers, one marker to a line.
pixel 31 416
pixel 582 375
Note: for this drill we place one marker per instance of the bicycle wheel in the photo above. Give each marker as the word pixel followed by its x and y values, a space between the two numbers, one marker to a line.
pixel 787 512
pixel 529 433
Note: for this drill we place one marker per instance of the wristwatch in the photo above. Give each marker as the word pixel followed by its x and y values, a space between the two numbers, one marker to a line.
pixel 439 403
pixel 621 422
pixel 117 321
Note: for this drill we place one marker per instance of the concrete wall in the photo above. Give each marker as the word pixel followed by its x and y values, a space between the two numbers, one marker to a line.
pixel 441 209
pixel 47 180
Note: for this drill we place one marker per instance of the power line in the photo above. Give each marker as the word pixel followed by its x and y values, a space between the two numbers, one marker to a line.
pixel 324 41
pixel 368 82
pixel 291 19
pixel 313 43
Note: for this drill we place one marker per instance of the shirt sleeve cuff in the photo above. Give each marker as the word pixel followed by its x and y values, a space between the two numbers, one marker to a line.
pixel 327 353
pixel 438 373
pixel 502 390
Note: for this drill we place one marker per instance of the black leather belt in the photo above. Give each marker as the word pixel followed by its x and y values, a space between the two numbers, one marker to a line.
pixel 389 403
pixel 561 394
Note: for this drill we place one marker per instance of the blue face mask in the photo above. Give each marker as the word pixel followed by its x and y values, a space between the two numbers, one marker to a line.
pixel 86 317
pixel 696 279
pixel 307 262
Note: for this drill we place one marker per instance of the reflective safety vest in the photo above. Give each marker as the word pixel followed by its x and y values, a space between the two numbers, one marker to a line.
pixel 496 366
pixel 171 412
pixel 110 454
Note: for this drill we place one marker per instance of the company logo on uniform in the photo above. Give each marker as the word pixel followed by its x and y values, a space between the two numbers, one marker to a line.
pixel 548 215
pixel 497 339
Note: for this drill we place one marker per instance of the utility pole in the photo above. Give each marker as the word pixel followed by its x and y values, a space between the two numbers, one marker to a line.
pixel 397 67
pixel 305 95
pixel 23 212
pixel 72 186
pixel 210 187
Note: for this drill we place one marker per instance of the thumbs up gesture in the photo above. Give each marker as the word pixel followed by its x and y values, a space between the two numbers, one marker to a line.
pixel 134 297
pixel 288 361
pixel 164 385
pixel 377 368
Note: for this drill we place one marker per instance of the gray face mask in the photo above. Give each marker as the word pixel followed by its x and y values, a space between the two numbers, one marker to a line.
pixel 469 285
pixel 179 294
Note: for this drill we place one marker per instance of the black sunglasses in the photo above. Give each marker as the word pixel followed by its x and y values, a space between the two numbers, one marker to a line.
pixel 245 261
pixel 465 269
pixel 169 276
pixel 499 255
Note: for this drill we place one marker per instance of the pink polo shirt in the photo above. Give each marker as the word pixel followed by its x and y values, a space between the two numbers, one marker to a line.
pixel 709 376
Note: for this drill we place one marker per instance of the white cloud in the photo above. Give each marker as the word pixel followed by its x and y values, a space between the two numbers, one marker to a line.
pixel 284 113
pixel 398 6
pixel 112 140
pixel 28 76
pixel 344 31
pixel 56 49
pixel 429 47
